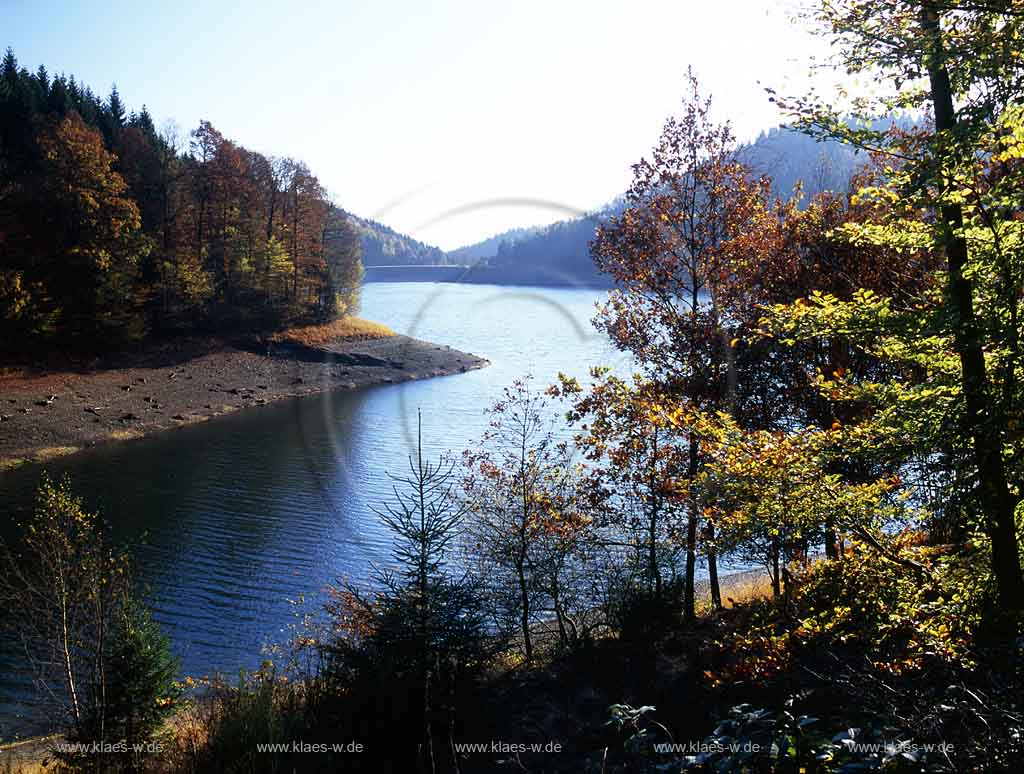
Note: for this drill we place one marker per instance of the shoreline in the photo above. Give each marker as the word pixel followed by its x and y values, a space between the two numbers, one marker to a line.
pixel 53 413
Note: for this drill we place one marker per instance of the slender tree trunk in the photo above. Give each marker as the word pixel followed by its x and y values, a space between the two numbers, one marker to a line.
pixel 100 664
pixel 295 248
pixel 787 583
pixel 981 414
pixel 524 592
pixel 653 573
pixel 831 541
pixel 225 259
pixel 524 545
pixel 452 706
pixel 428 742
pixel 776 587
pixel 563 635
pixel 689 607
pixel 654 487
pixel 716 590
pixel 66 647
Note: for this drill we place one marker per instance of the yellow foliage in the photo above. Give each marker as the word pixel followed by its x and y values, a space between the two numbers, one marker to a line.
pixel 345 329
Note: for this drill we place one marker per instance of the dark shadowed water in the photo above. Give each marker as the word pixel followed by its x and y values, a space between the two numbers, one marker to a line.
pixel 233 518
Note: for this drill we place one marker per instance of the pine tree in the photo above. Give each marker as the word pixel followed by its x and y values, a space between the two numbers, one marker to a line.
pixel 59 100
pixel 144 122
pixel 116 107
pixel 142 687
pixel 10 69
pixel 43 80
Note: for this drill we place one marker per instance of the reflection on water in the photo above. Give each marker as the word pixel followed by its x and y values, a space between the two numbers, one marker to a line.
pixel 233 518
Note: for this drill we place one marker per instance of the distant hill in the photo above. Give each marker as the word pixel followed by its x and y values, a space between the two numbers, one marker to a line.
pixel 788 156
pixel 489 247
pixel 559 254
pixel 383 246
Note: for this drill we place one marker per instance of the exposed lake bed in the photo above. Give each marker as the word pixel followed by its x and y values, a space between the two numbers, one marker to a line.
pixel 60 411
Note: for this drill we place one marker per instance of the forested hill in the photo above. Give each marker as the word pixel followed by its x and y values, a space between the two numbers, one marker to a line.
pixel 383 246
pixel 111 230
pixel 559 254
pixel 488 248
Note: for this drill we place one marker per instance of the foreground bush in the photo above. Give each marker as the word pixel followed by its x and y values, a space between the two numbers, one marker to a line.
pixel 104 669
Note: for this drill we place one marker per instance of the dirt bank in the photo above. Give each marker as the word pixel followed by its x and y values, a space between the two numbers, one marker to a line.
pixel 51 411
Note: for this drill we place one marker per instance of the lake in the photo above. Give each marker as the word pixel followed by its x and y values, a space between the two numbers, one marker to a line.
pixel 233 518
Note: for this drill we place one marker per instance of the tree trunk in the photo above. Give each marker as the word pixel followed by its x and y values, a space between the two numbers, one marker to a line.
pixel 831 541
pixel 67 639
pixel 654 572
pixel 428 741
pixel 981 415
pixel 689 609
pixel 776 587
pixel 716 591
pixel 654 487
pixel 524 591
pixel 563 635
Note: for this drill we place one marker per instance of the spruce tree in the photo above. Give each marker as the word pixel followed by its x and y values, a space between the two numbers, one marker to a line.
pixel 115 107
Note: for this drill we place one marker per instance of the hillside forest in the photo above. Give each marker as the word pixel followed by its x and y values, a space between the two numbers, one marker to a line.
pixel 111 229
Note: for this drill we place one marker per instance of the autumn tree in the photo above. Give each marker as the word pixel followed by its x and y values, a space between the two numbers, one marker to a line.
pixel 799 248
pixel 86 232
pixel 671 307
pixel 958 61
pixel 110 226
pixel 343 270
pixel 777 493
pixel 637 463
pixel 520 492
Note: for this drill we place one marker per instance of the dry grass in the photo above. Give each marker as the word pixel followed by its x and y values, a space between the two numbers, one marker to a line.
pixel 189 419
pixel 125 435
pixel 45 454
pixel 746 587
pixel 48 453
pixel 10 463
pixel 29 756
pixel 737 588
pixel 11 766
pixel 182 737
pixel 345 329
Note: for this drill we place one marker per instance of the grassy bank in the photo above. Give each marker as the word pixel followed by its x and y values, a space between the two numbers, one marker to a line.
pixel 346 329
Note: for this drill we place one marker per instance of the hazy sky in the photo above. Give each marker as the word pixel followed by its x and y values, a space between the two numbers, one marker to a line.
pixel 434 117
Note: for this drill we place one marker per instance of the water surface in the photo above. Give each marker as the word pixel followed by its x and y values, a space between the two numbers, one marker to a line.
pixel 231 519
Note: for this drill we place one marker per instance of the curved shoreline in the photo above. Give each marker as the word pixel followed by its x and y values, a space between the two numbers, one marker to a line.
pixel 61 412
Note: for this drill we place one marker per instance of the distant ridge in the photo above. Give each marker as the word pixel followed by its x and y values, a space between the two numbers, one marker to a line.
pixel 488 248
pixel 559 253
pixel 383 246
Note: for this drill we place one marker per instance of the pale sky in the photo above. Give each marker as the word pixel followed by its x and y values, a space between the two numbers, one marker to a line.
pixel 437 118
